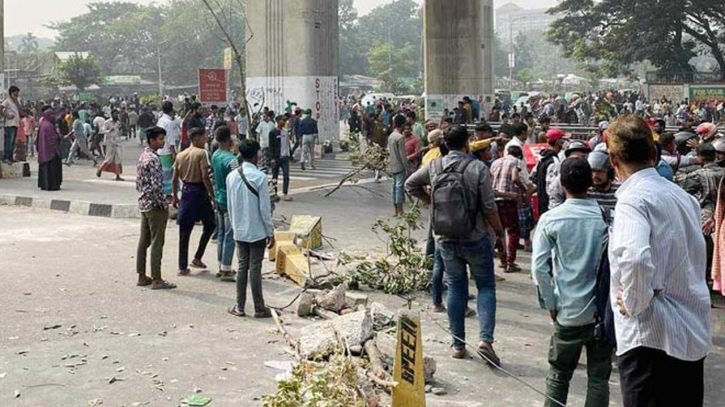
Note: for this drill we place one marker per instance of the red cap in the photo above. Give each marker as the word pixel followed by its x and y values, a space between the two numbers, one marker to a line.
pixel 555 135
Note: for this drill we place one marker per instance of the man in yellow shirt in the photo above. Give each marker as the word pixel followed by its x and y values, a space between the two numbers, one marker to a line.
pixel 435 138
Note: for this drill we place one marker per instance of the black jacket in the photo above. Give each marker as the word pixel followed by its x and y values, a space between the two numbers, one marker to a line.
pixel 547 158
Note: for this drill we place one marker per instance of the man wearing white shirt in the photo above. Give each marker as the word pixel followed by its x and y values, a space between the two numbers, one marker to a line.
pixel 167 154
pixel 659 295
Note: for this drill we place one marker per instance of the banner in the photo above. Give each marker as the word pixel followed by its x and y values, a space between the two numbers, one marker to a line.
pixel 705 93
pixel 212 86
pixel 228 58
pixel 532 154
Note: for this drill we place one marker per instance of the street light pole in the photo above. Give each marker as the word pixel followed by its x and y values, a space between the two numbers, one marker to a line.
pixel 161 83
pixel 2 46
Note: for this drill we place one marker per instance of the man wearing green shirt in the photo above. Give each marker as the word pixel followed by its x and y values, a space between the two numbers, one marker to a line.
pixel 223 162
pixel 417 128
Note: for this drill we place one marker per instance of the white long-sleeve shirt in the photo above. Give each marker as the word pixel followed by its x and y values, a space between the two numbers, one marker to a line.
pixel 656 244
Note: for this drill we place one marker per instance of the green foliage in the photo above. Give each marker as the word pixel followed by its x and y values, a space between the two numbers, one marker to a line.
pixel 612 35
pixel 524 75
pixel 404 270
pixel 314 384
pixel 80 72
pixel 390 64
pixel 352 45
pixel 500 57
pixel 29 44
pixel 127 37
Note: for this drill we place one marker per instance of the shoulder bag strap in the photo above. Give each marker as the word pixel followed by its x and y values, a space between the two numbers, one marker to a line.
pixel 246 182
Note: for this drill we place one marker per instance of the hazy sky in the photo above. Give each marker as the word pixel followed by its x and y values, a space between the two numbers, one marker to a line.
pixel 22 16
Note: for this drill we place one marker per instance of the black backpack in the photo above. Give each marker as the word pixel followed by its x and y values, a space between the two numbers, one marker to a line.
pixel 604 316
pixel 453 215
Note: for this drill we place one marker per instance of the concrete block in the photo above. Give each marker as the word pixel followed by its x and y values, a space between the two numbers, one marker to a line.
pixel 282 250
pixel 125 212
pixel 304 305
pixel 320 338
pixel 297 268
pixel 309 229
pixel 355 299
pixel 79 208
pixel 333 300
pixel 279 237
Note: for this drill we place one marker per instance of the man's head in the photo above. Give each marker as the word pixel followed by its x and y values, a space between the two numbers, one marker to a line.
pixel 214 109
pixel 76 115
pixel 114 115
pixel 308 112
pixel 223 137
pixel 516 151
pixel 659 127
pixel 198 137
pixel 266 117
pixel 576 177
pixel 504 118
pixel 457 138
pixel 577 148
pixel 556 139
pixel 520 130
pixel 14 92
pixel 706 152
pixel 602 171
pixel 249 150
pixel 399 122
pixel 545 121
pixel 431 125
pixel 435 137
pixel 631 147
pixel 410 118
pixel 719 145
pixel 155 137
pixel 481 149
pixel 668 142
pixel 516 118
pixel 483 132
pixel 280 120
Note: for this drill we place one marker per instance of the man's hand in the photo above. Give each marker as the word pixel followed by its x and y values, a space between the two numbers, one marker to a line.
pixel 620 303
pixel 270 242
pixel 553 313
pixel 708 227
pixel 175 202
pixel 693 143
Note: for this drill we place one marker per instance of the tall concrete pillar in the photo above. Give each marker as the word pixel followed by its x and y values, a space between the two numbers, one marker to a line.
pixel 458 48
pixel 292 57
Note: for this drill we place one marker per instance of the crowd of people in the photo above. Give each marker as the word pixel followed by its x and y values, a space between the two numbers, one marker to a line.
pixel 608 212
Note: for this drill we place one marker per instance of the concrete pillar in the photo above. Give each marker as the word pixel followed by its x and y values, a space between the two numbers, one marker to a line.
pixel 293 56
pixel 458 48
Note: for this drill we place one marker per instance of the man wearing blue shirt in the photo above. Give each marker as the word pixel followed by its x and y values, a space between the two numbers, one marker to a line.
pixel 250 213
pixel 571 238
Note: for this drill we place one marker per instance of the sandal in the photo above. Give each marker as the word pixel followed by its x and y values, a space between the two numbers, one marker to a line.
pixel 228 277
pixel 236 312
pixel 196 263
pixel 184 273
pixel 145 282
pixel 165 285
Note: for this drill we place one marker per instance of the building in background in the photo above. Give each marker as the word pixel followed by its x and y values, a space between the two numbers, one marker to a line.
pixel 512 20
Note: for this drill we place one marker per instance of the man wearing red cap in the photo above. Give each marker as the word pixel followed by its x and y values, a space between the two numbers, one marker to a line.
pixel 556 139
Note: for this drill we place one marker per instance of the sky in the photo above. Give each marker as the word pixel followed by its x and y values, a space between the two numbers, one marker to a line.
pixel 23 16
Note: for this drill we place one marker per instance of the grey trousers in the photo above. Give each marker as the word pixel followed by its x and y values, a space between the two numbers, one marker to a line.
pixel 250 269
pixel 80 144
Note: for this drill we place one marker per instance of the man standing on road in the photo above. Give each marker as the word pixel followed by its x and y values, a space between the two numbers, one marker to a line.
pixel 550 156
pixel 98 122
pixel 263 129
pixel 308 130
pixel 81 142
pixel 113 162
pixel 167 154
pixel 133 123
pixel 223 162
pixel 571 237
pixel 11 107
pixel 506 182
pixel 192 168
pixel 250 213
pixel 466 243
pixel 154 211
pixel 398 163
pixel 279 148
pixel 659 294
pixel 146 120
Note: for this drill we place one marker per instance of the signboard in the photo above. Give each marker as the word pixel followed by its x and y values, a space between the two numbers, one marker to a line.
pixel 228 58
pixel 705 93
pixel 408 371
pixel 123 80
pixel 532 154
pixel 212 86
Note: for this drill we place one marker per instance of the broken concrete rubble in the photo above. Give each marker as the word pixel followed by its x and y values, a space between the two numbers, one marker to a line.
pixel 321 338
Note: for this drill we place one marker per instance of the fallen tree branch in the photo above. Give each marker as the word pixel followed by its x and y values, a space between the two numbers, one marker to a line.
pixel 377 368
pixel 293 343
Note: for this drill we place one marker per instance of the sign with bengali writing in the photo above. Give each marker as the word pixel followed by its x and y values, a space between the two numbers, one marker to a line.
pixel 673 93
pixel 228 58
pixel 212 86
pixel 705 93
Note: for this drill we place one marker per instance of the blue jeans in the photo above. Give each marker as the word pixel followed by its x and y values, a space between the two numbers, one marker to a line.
pixel 398 188
pixel 225 239
pixel 478 256
pixel 437 283
pixel 9 145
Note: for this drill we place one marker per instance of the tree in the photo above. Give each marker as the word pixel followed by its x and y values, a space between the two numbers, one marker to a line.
pixel 353 59
pixel 29 44
pixel 391 65
pixel 524 54
pixel 618 33
pixel 80 72
pixel 524 75
pixel 500 58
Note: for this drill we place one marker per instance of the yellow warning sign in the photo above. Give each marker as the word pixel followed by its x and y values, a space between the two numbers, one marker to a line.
pixel 408 371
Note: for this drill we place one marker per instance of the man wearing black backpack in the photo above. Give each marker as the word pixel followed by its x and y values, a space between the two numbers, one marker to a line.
pixel 463 213
pixel 572 237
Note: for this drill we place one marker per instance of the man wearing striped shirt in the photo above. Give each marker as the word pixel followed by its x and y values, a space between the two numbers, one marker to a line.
pixel 658 289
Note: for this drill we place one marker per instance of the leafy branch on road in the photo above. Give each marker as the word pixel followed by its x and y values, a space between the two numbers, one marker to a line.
pixel 375 159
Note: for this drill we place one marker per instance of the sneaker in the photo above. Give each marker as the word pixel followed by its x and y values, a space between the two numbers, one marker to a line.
pixel 458 353
pixel 287 198
pixel 265 313
pixel 485 350
pixel 470 312
pixel 512 268
pixel 439 308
